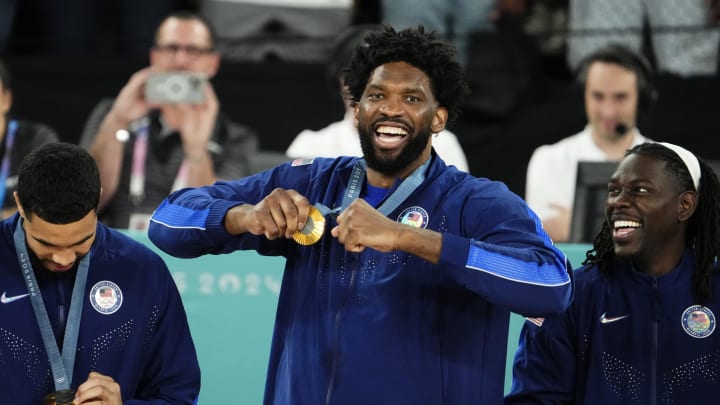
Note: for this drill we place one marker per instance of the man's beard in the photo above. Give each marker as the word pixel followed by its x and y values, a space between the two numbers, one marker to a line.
pixel 384 162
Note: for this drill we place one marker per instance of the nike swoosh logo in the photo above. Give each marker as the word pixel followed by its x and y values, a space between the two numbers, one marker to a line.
pixel 6 300
pixel 604 319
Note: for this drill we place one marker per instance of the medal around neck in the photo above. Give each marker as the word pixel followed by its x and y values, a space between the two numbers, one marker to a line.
pixel 313 229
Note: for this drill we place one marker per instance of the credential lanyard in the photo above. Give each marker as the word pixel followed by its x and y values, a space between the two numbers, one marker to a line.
pixel 141 128
pixel 412 182
pixel 5 167
pixel 60 365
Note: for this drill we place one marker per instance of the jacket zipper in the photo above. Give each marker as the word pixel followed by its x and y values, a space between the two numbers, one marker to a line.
pixel 338 316
pixel 654 357
pixel 60 331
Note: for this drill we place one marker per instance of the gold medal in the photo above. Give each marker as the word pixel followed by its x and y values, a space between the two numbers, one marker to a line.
pixel 313 229
pixel 62 397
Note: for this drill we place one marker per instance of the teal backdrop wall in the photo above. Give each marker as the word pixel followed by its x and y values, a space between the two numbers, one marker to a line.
pixel 230 301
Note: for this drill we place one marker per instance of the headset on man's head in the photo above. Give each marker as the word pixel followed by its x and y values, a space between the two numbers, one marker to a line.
pixel 620 55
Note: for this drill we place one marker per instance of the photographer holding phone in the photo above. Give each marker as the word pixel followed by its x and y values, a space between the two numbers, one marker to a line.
pixel 147 147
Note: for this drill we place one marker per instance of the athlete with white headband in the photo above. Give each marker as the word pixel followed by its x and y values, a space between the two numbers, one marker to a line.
pixel 642 327
pixel 691 162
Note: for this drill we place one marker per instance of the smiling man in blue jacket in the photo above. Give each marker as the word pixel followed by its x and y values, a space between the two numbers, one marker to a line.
pixel 642 328
pixel 404 297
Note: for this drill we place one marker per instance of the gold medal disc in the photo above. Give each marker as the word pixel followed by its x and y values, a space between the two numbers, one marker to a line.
pixel 62 397
pixel 313 229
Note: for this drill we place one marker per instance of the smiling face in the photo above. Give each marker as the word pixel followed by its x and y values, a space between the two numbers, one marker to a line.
pixel 647 210
pixel 396 115
pixel 59 247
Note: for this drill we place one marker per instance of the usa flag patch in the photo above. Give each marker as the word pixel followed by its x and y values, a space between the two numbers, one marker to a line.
pixel 537 321
pixel 106 297
pixel 414 216
pixel 302 162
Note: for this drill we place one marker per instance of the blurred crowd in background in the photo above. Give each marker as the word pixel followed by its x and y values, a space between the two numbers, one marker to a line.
pixel 520 58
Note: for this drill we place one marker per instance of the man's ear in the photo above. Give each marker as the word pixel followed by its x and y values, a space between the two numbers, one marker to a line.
pixel 687 205
pixel 356 108
pixel 439 120
pixel 19 206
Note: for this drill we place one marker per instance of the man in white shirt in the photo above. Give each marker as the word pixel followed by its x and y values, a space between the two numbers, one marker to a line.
pixel 341 138
pixel 616 83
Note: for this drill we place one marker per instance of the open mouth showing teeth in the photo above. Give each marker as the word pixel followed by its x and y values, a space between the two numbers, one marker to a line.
pixel 624 229
pixel 626 224
pixel 390 135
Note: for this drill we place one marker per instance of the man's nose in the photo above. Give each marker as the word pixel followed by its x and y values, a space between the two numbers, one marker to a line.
pixel 620 199
pixel 63 257
pixel 608 109
pixel 390 108
pixel 181 59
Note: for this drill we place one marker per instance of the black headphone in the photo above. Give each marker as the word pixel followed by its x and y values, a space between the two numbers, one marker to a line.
pixel 620 55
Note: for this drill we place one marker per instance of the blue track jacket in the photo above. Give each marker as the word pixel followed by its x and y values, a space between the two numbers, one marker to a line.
pixel 133 325
pixel 628 338
pixel 387 328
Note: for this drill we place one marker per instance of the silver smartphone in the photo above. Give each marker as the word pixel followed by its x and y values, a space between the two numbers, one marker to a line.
pixel 175 87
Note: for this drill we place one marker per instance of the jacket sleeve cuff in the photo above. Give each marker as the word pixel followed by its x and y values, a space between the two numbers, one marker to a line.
pixel 215 224
pixel 454 250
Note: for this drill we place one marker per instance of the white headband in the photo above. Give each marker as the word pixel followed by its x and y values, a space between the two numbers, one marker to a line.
pixel 690 160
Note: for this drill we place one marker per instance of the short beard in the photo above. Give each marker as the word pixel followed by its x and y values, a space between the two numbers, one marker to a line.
pixel 389 165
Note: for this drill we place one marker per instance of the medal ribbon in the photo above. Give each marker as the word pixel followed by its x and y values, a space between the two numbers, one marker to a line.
pixel 412 182
pixel 60 365
pixel 352 192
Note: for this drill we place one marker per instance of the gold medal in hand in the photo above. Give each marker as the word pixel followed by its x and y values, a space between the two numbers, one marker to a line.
pixel 313 229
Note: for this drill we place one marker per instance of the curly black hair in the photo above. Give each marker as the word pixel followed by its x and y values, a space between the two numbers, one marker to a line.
pixel 437 59
pixel 703 231
pixel 59 182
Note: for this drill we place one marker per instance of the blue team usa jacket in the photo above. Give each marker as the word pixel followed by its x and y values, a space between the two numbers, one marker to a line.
pixel 387 328
pixel 628 338
pixel 133 325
